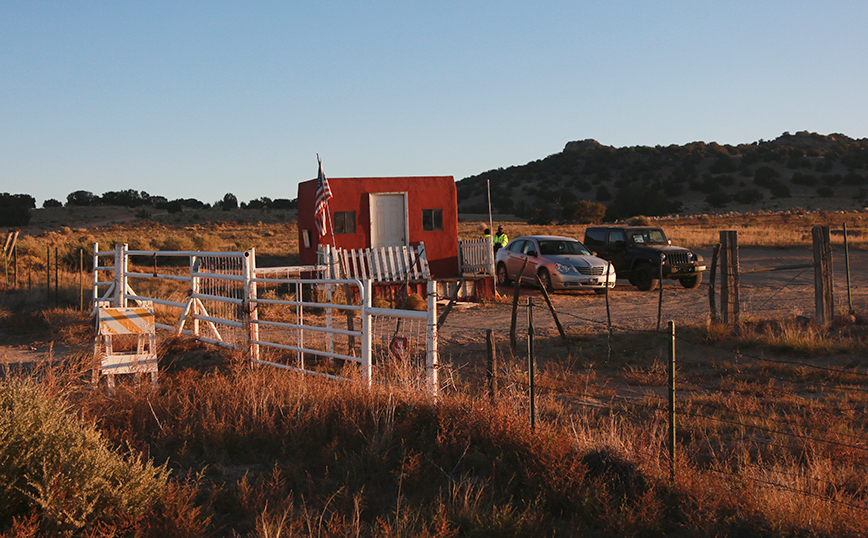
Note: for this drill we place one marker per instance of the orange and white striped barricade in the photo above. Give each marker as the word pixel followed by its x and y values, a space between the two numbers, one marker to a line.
pixel 112 322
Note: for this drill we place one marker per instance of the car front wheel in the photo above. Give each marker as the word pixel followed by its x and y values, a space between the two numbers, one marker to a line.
pixel 502 275
pixel 545 280
pixel 646 277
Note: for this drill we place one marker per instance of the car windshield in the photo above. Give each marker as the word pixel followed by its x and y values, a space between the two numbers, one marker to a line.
pixel 559 247
pixel 648 237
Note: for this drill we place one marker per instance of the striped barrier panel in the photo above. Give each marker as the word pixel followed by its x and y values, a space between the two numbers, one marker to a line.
pixel 126 321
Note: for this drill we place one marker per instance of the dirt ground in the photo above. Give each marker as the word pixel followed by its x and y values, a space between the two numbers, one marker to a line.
pixel 776 294
pixel 764 295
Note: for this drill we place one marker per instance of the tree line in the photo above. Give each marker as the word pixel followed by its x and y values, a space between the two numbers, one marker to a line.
pixel 15 208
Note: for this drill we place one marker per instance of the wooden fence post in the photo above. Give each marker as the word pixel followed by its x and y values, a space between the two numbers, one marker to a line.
pixel 729 280
pixel 491 370
pixel 712 304
pixel 824 299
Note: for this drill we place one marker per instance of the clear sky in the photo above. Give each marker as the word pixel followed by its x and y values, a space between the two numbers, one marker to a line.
pixel 197 99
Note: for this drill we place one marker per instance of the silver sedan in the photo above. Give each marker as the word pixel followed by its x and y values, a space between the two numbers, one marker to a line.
pixel 558 263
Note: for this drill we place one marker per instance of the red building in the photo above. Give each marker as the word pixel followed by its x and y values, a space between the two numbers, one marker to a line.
pixel 370 212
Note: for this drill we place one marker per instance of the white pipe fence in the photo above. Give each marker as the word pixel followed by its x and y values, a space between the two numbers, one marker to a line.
pixel 272 314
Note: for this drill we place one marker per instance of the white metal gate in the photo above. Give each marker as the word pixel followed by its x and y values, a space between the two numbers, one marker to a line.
pixel 313 325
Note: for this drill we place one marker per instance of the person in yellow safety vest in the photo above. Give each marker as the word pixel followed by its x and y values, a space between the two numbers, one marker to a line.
pixel 486 235
pixel 500 239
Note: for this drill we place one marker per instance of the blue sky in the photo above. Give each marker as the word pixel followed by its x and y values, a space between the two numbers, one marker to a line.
pixel 197 99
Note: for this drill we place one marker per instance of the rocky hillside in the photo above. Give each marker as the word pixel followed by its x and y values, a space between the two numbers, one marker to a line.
pixel 804 170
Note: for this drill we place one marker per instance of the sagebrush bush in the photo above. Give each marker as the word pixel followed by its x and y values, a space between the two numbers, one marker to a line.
pixel 61 471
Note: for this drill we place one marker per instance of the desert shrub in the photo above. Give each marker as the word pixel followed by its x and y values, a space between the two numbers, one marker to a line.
pixel 639 220
pixel 718 199
pixel 415 302
pixel 179 242
pixel 805 179
pixel 747 196
pixel 583 212
pixel 61 471
pixel 825 191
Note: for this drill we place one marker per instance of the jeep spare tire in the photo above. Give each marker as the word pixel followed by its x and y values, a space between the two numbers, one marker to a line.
pixel 691 282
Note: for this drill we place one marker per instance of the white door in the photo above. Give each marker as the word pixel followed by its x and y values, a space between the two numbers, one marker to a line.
pixel 388 220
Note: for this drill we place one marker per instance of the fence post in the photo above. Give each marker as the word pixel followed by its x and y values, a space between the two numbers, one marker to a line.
pixel 729 278
pixel 672 402
pixel 366 332
pixel 554 312
pixel 120 276
pixel 530 362
pixel 81 278
pixel 824 299
pixel 251 306
pixel 660 300
pixel 433 359
pixel 95 278
pixel 491 369
pixel 847 267
pixel 712 305
pixel 57 278
pixel 515 294
pixel 47 273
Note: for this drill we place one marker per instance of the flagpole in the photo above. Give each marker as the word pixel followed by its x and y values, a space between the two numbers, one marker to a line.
pixel 490 231
pixel 329 222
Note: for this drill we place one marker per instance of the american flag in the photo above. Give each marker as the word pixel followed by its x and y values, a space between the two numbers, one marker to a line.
pixel 323 195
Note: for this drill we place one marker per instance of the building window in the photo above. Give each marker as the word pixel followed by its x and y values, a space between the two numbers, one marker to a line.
pixel 345 222
pixel 432 219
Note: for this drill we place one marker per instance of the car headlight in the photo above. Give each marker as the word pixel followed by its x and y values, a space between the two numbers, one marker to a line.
pixel 691 257
pixel 564 269
pixel 662 257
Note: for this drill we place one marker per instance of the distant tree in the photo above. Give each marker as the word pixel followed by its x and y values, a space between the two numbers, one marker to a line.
pixel 779 189
pixel 126 198
pixel 283 203
pixel 51 202
pixel 583 212
pixel 14 211
pixel 747 196
pixel 634 200
pixel 260 203
pixel 718 199
pixel 764 175
pixel 228 203
pixel 603 194
pixel 825 191
pixel 81 198
pixel 26 200
pixel 541 215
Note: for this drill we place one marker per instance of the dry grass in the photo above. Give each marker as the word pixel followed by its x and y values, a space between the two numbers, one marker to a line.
pixel 770 424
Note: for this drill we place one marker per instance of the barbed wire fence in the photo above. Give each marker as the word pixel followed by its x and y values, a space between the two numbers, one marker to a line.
pixel 740 414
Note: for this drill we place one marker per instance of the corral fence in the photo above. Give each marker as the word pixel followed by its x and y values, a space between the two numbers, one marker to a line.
pixel 726 252
pixel 273 315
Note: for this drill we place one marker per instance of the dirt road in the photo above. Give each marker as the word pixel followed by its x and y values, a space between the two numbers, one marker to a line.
pixel 763 295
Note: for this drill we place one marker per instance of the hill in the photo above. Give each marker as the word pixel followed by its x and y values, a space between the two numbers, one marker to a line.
pixel 805 170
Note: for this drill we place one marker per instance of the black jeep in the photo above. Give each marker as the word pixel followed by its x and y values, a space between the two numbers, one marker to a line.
pixel 637 252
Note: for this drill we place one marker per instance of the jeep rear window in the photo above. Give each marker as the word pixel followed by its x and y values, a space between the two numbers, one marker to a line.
pixel 595 238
